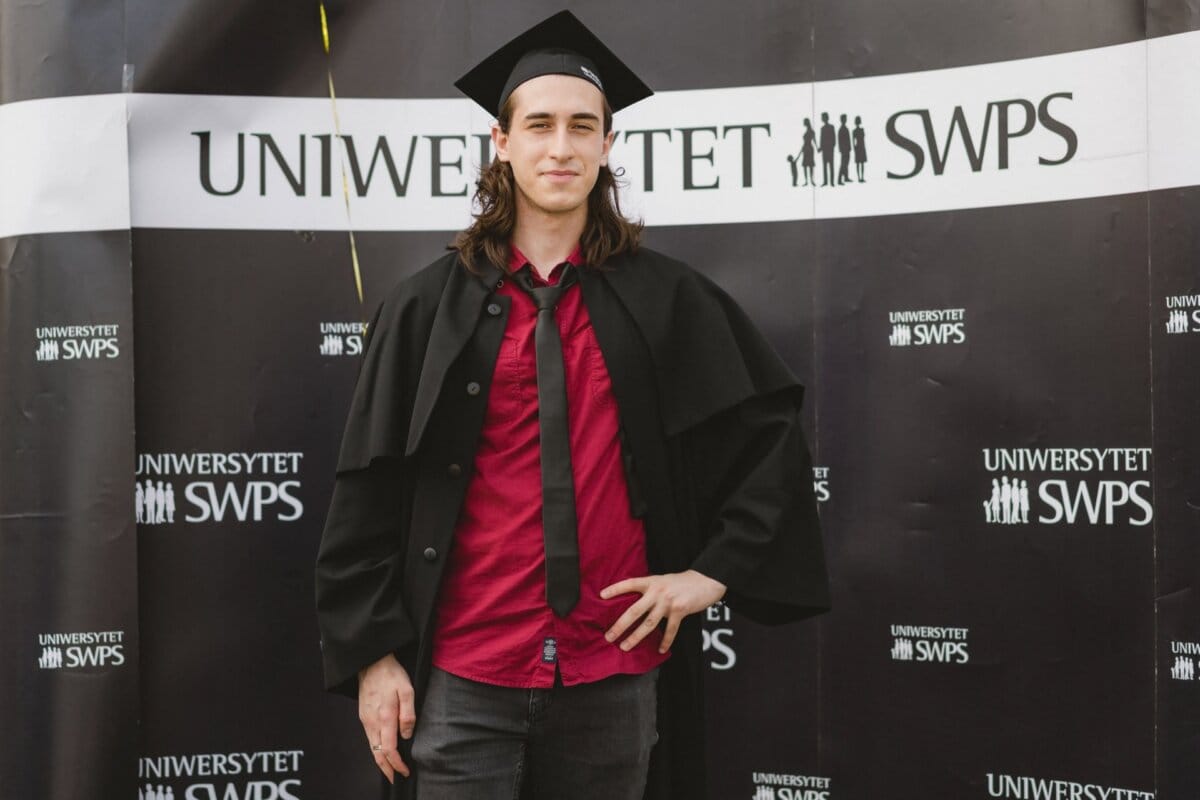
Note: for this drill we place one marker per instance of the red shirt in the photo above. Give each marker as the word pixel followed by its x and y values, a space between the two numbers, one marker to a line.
pixel 493 623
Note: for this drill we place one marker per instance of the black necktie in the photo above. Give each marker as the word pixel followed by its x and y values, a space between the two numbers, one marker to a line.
pixel 558 483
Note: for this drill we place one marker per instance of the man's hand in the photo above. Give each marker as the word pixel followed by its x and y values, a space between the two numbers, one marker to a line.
pixel 668 597
pixel 386 703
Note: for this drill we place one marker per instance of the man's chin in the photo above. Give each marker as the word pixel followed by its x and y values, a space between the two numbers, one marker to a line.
pixel 559 205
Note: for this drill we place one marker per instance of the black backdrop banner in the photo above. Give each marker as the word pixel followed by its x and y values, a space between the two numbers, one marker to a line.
pixel 987 278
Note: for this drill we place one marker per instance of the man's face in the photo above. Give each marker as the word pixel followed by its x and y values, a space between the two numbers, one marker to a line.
pixel 555 142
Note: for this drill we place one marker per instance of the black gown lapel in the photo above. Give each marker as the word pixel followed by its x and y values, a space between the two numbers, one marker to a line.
pixel 457 315
pixel 631 370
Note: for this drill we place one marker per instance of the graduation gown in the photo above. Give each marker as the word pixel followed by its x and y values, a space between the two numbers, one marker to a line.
pixel 717 467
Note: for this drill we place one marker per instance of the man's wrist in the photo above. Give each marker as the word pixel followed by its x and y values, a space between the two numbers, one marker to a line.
pixel 722 587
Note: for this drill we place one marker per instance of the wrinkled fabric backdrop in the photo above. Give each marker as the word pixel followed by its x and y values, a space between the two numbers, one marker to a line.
pixel 998 325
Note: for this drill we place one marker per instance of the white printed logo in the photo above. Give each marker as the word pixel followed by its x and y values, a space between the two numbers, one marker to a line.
pixel 75 342
pixel 155 503
pixel 1183 313
pixel 928 327
pixel 821 484
pixel 1078 496
pixel 1009 502
pixel 51 658
pixel 593 77
pixel 257 775
pixel 1183 668
pixel 718 640
pixel 1024 787
pixel 785 786
pixel 342 338
pixel 929 644
pixel 242 487
pixel 84 649
pixel 47 350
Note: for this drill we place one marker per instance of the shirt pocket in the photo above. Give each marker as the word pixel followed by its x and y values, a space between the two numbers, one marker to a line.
pixel 599 382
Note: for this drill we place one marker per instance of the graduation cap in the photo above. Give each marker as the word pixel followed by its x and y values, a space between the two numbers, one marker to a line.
pixel 558 45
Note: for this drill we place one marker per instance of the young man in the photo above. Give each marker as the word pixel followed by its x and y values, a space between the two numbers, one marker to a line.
pixel 560 449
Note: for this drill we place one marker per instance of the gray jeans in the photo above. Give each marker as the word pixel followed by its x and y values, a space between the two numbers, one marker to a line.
pixel 476 741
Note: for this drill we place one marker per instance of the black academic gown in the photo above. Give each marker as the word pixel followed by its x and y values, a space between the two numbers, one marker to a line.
pixel 717 466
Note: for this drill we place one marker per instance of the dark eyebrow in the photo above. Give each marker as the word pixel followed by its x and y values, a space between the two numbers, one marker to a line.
pixel 547 115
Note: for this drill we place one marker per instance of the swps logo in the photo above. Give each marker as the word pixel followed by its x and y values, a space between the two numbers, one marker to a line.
pixel 1024 787
pixel 1183 313
pixel 718 637
pixel 1079 496
pixel 1183 666
pixel 259 775
pixel 785 786
pixel 932 644
pixel 821 484
pixel 244 487
pixel 76 342
pixel 342 338
pixel 79 650
pixel 927 327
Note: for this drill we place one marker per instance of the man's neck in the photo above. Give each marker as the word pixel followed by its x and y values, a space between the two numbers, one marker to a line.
pixel 547 239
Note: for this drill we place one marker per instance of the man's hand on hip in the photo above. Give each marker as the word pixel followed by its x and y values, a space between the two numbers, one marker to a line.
pixel 386 704
pixel 668 597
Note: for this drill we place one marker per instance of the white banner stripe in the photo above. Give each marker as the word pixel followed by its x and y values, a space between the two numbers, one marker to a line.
pixel 64 165
pixel 1174 111
pixel 1107 121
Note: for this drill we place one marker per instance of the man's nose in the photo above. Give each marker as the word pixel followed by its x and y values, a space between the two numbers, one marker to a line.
pixel 560 144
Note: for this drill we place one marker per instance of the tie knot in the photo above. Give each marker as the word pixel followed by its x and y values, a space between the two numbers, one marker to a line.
pixel 545 297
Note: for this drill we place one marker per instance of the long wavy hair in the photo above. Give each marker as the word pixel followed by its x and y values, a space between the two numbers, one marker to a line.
pixel 605 234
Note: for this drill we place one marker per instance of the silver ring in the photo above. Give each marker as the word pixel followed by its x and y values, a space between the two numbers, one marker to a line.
pixel 376 747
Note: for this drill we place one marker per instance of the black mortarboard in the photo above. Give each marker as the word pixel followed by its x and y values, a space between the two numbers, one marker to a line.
pixel 558 45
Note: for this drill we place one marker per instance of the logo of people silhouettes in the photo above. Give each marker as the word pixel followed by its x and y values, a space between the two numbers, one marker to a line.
pixel 1184 669
pixel 51 658
pixel 155 503
pixel 901 335
pixel 834 146
pixel 47 350
pixel 1178 322
pixel 1009 503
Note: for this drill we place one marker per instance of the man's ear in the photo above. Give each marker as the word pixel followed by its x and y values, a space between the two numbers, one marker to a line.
pixel 500 142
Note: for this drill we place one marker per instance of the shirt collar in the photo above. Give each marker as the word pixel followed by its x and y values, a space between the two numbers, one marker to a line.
pixel 517 260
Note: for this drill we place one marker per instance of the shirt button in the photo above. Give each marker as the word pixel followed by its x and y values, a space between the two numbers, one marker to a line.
pixel 454 470
pixel 472 388
pixel 430 554
pixel 494 309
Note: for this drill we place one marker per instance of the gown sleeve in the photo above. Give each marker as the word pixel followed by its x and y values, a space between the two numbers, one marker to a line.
pixel 730 407
pixel 361 613
pixel 763 537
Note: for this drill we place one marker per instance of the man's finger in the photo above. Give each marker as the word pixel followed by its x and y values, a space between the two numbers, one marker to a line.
pixel 623 587
pixel 387 738
pixel 642 631
pixel 408 714
pixel 384 766
pixel 631 615
pixel 669 636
